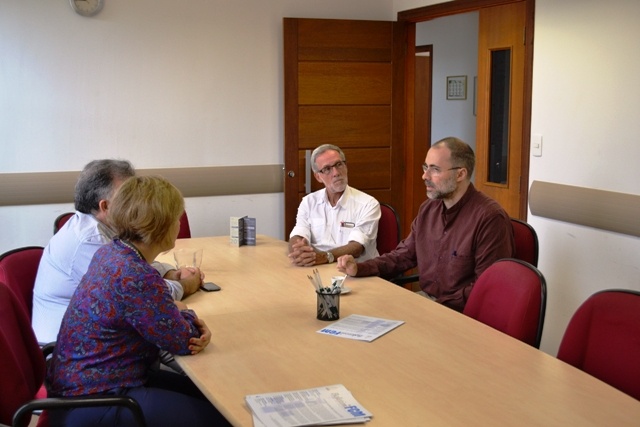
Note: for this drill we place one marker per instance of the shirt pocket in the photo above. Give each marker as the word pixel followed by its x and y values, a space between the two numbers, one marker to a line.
pixel 344 233
pixel 461 267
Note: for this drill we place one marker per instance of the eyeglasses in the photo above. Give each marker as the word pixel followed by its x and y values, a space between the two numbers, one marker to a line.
pixel 338 165
pixel 435 170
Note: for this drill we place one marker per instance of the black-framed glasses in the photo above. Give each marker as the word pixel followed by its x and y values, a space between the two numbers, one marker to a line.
pixel 435 170
pixel 338 165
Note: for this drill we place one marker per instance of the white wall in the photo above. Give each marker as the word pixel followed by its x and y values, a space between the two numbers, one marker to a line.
pixel 157 82
pixel 455 53
pixel 72 89
pixel 400 5
pixel 586 99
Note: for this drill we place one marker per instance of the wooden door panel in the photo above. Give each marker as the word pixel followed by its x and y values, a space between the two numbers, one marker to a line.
pixel 344 126
pixel 341 40
pixel 344 83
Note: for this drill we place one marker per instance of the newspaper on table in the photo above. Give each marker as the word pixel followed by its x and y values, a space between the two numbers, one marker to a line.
pixel 326 405
pixel 363 328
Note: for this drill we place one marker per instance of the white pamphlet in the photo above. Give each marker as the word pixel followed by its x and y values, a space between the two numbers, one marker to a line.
pixel 363 328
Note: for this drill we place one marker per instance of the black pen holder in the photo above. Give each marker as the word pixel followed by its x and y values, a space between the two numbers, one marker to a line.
pixel 328 306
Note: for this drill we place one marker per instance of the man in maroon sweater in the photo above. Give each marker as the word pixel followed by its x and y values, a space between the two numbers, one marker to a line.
pixel 458 232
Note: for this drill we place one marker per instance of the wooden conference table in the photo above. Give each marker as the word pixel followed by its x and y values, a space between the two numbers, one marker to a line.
pixel 440 368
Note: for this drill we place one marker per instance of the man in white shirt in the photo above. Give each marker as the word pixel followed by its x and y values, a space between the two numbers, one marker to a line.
pixel 337 220
pixel 67 256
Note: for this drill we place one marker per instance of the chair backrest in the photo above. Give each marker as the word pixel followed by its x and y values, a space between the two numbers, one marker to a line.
pixel 18 269
pixel 526 240
pixel 185 230
pixel 22 367
pixel 61 220
pixel 510 296
pixel 603 339
pixel 388 229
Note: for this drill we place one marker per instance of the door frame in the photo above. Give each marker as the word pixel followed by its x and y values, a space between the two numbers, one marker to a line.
pixel 418 145
pixel 407 20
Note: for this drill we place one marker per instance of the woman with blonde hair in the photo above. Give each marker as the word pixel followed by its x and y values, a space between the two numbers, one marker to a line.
pixel 122 314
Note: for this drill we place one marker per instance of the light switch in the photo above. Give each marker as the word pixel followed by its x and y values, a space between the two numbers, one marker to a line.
pixel 536 145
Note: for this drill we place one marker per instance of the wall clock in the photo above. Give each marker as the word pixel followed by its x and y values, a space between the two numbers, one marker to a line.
pixel 87 7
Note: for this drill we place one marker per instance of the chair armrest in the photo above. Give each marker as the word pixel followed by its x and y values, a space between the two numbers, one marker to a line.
pixel 47 349
pixel 23 414
pixel 404 280
pixel 20 418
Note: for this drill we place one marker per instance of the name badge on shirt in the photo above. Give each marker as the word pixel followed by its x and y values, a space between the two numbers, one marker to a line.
pixel 346 224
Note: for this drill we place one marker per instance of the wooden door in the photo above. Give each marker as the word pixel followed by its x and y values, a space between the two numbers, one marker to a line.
pixel 417 149
pixel 340 77
pixel 501 105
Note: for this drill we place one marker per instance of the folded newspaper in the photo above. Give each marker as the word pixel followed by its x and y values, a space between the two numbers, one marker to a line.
pixel 327 405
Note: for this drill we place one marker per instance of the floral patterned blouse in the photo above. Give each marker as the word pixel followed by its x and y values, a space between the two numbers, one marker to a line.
pixel 118 319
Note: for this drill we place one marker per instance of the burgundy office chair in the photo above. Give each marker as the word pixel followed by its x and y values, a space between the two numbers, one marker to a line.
pixel 603 339
pixel 185 230
pixel 526 240
pixel 61 220
pixel 388 229
pixel 510 296
pixel 22 369
pixel 18 269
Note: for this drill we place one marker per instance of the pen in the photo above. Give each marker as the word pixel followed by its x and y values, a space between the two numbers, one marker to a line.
pixel 313 282
pixel 316 274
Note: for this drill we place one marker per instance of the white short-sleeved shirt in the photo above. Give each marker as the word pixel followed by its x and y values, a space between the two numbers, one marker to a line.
pixel 64 261
pixel 354 218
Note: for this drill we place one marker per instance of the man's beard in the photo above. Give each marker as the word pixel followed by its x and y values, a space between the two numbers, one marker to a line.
pixel 446 192
pixel 341 187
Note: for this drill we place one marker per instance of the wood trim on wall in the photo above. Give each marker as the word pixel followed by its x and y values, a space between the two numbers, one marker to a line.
pixel 40 188
pixel 605 210
pixel 426 13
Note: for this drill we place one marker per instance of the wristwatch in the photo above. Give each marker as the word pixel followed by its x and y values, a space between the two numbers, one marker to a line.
pixel 330 257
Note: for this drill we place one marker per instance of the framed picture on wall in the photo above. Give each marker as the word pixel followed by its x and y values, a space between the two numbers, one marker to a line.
pixel 456 87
